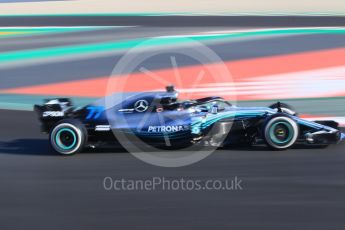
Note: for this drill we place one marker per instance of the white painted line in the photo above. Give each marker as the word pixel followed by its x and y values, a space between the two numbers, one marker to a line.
pixel 326 82
pixel 223 32
pixel 61 27
pixel 340 120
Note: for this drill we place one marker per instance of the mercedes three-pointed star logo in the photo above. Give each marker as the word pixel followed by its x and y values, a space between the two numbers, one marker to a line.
pixel 141 106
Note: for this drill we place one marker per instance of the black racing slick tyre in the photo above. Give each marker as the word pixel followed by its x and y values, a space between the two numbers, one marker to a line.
pixel 68 137
pixel 281 132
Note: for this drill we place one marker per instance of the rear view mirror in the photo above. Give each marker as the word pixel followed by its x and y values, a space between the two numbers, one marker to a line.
pixel 214 109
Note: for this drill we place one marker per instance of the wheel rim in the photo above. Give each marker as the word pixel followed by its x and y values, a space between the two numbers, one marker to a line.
pixel 281 132
pixel 66 139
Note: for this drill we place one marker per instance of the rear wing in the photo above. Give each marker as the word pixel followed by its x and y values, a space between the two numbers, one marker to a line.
pixel 52 111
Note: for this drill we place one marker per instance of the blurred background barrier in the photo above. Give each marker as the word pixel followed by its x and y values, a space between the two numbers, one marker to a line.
pixel 189 7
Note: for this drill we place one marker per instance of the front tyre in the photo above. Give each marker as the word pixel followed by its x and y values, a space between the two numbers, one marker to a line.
pixel 281 132
pixel 68 137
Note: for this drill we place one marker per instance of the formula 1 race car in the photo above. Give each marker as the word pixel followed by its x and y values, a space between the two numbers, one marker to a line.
pixel 159 119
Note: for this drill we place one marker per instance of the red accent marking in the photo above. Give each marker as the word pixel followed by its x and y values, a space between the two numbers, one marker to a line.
pixel 241 71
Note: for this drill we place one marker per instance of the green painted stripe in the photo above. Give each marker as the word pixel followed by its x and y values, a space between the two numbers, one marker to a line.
pixel 162 41
pixel 26 102
pixel 15 106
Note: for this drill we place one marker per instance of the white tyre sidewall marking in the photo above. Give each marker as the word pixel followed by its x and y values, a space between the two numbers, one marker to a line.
pixel 293 139
pixel 66 125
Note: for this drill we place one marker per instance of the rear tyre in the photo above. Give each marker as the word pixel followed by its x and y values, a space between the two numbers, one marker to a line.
pixel 281 132
pixel 68 137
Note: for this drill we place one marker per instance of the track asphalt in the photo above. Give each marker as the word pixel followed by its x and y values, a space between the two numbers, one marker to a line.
pixel 294 189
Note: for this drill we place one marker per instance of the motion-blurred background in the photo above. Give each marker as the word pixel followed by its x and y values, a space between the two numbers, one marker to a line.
pixel 291 51
pixel 11 7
